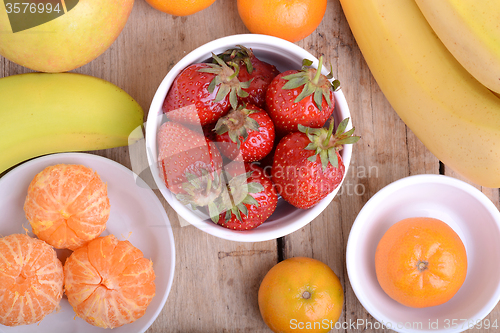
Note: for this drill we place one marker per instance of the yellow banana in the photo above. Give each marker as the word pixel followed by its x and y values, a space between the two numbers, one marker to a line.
pixel 455 116
pixel 470 29
pixel 46 113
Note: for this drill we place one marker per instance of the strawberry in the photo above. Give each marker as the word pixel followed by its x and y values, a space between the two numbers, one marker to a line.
pixel 203 92
pixel 250 200
pixel 302 97
pixel 203 191
pixel 182 150
pixel 259 73
pixel 307 165
pixel 246 130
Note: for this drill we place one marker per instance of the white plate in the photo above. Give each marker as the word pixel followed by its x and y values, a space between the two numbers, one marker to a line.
pixel 464 208
pixel 136 215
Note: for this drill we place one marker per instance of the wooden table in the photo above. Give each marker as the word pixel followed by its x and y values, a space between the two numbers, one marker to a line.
pixel 216 281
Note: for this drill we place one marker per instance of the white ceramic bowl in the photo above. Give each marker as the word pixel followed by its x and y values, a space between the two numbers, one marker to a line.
pixel 284 55
pixel 464 208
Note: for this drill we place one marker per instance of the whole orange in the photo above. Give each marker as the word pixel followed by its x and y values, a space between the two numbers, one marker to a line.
pixel 292 20
pixel 421 262
pixel 300 294
pixel 180 7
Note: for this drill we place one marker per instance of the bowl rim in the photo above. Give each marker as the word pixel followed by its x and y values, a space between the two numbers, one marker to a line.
pixel 383 193
pixel 203 52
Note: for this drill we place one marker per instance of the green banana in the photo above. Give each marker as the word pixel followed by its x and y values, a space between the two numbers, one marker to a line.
pixel 470 29
pixel 47 113
pixel 455 116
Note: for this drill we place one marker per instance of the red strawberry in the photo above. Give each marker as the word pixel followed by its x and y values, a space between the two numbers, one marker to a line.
pixel 209 132
pixel 251 68
pixel 246 130
pixel 250 201
pixel 307 164
pixel 203 191
pixel 203 92
pixel 182 150
pixel 302 97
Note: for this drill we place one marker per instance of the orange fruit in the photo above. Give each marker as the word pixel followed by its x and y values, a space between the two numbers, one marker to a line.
pixel 108 282
pixel 180 7
pixel 421 262
pixel 67 205
pixel 300 294
pixel 292 20
pixel 31 280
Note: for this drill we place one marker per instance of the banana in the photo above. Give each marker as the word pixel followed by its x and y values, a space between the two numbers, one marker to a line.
pixel 456 117
pixel 47 113
pixel 470 29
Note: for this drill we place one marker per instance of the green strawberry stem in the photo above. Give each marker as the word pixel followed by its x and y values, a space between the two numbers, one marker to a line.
pixel 219 192
pixel 326 144
pixel 227 81
pixel 313 83
pixel 239 54
pixel 315 80
pixel 237 124
pixel 330 132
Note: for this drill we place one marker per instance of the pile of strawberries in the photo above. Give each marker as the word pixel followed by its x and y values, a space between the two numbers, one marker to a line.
pixel 230 121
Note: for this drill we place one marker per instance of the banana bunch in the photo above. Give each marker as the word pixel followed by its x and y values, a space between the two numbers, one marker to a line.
pixel 47 113
pixel 452 113
pixel 470 29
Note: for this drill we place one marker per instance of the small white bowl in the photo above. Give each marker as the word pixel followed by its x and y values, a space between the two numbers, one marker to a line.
pixel 464 208
pixel 284 55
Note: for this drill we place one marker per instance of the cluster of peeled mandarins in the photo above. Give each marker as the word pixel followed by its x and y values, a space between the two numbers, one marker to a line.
pixel 108 282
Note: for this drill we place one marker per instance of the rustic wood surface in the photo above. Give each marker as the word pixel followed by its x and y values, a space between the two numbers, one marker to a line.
pixel 216 281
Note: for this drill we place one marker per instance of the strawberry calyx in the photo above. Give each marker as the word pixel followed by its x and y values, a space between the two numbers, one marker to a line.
pixel 237 124
pixel 325 143
pixel 226 78
pixel 238 55
pixel 202 190
pixel 219 192
pixel 313 82
pixel 238 190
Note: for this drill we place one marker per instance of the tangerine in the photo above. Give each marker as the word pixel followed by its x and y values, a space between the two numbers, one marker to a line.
pixel 292 20
pixel 180 7
pixel 67 205
pixel 31 280
pixel 108 282
pixel 421 262
pixel 300 294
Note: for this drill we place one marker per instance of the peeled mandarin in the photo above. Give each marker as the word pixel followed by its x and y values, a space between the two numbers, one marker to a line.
pixel 67 205
pixel 108 282
pixel 31 280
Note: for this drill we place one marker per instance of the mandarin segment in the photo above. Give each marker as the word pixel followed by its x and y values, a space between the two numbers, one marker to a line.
pixel 67 205
pixel 421 262
pixel 108 282
pixel 31 280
